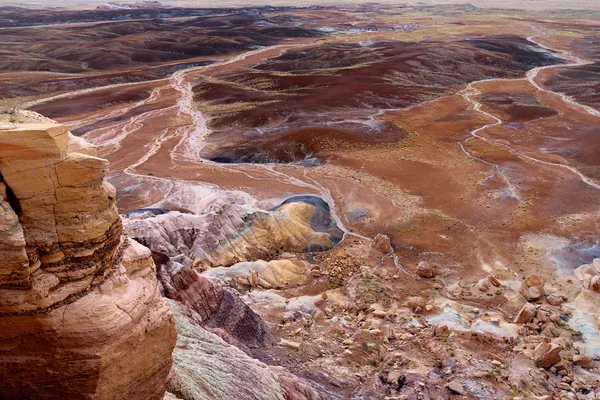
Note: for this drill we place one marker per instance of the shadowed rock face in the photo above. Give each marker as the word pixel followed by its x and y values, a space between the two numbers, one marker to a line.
pixel 232 233
pixel 80 309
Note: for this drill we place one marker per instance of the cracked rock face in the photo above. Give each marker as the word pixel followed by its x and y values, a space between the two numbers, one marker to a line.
pixel 80 308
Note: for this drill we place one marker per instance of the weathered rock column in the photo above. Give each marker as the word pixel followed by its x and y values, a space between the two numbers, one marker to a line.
pixel 81 316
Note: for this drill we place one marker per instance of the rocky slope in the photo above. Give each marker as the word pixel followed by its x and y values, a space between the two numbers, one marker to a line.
pixel 80 307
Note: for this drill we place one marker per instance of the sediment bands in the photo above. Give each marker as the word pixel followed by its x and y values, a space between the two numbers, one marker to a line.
pixel 78 300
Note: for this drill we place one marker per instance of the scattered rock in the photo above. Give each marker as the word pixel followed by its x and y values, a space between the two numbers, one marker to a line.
pixel 484 285
pixel 415 302
pixel 291 344
pixel 525 314
pixel 554 299
pixel 394 377
pixel 589 275
pixel 494 281
pixel 546 354
pixel 425 270
pixel 583 361
pixel 456 387
pixel 532 287
pixel 382 243
pixel 315 271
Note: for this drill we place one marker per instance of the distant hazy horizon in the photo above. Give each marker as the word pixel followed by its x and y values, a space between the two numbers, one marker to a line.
pixel 525 4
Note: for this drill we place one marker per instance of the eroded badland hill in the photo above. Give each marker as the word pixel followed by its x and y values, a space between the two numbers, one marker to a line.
pixel 323 202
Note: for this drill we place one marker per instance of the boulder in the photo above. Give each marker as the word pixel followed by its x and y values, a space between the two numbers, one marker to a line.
pixel 546 354
pixel 525 314
pixel 554 299
pixel 589 275
pixel 382 243
pixel 532 287
pixel 425 270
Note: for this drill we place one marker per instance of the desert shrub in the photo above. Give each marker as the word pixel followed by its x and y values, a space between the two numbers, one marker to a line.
pixel 12 105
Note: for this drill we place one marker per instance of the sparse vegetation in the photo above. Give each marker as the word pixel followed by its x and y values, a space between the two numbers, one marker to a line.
pixel 11 106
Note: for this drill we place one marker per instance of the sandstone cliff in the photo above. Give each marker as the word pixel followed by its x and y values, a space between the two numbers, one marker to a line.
pixel 80 309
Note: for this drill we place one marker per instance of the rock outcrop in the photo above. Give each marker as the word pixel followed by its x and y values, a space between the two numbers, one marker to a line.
pixel 219 309
pixel 233 233
pixel 80 309
pixel 275 274
pixel 225 371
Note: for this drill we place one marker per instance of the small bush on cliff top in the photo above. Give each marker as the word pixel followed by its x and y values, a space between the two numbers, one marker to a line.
pixel 11 106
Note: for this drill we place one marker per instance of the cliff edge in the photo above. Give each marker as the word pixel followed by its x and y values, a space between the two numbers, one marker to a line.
pixel 80 307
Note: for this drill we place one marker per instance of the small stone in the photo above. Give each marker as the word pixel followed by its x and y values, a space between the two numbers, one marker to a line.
pixel 484 285
pixel 564 386
pixel 318 315
pixel 494 281
pixel 456 387
pixel 554 299
pixel 583 361
pixel 442 330
pixel 290 344
pixel 394 376
pixel 316 272
pixel 561 366
pixel 428 307
pixel 541 316
pixel 387 331
pixel 379 313
pixel 415 302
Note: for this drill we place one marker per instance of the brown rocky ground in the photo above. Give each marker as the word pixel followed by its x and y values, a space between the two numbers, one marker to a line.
pixel 420 123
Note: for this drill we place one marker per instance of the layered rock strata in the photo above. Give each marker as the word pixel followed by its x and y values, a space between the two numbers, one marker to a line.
pixel 80 308
pixel 232 233
pixel 225 372
pixel 219 309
